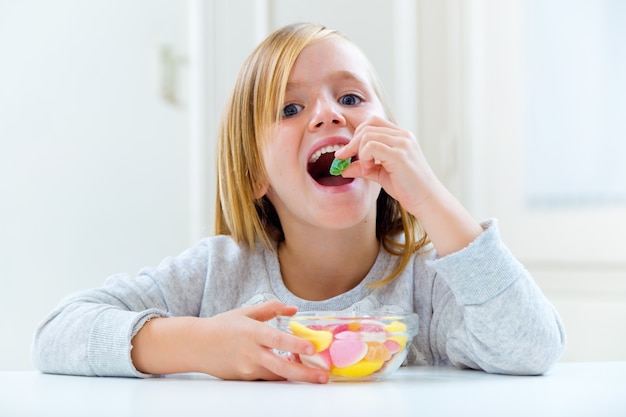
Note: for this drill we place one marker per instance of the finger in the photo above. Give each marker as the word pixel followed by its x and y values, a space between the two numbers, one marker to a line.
pixel 348 151
pixel 268 310
pixel 389 137
pixel 374 154
pixel 254 372
pixel 375 124
pixel 273 338
pixel 293 371
pixel 371 124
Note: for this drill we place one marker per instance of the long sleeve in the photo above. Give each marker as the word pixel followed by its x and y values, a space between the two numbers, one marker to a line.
pixel 489 314
pixel 90 332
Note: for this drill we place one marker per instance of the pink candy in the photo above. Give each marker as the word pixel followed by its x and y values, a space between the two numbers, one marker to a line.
pixel 347 352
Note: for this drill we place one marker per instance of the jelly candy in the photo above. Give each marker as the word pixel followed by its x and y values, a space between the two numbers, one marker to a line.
pixel 321 339
pixel 347 352
pixel 353 349
pixel 359 369
pixel 339 165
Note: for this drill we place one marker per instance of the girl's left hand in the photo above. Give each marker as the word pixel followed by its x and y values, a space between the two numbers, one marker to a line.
pixel 392 157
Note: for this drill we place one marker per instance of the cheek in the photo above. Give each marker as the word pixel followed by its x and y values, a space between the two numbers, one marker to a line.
pixel 276 162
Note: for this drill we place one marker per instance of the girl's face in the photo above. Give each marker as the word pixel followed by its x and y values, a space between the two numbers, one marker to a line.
pixel 328 95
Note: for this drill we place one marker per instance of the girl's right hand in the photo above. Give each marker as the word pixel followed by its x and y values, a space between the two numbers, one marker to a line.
pixel 237 344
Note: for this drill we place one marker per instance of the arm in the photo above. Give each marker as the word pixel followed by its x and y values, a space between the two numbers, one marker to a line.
pixel 89 332
pixel 489 314
pixel 393 158
pixel 232 345
pixel 149 323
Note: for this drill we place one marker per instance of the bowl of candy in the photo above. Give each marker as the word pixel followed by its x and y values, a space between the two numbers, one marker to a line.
pixel 366 347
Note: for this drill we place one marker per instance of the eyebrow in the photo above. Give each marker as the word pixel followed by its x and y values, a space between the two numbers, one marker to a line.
pixel 335 76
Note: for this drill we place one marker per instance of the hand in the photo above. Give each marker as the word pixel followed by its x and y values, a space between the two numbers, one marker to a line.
pixel 392 157
pixel 245 346
pixel 233 345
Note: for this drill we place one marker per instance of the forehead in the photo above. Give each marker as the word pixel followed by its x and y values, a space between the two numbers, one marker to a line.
pixel 333 58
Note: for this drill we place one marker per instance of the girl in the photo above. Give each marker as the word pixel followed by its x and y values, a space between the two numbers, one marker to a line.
pixel 290 236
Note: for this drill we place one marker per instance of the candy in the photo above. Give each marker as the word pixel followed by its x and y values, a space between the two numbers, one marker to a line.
pixel 319 360
pixel 359 369
pixel 395 327
pixel 353 349
pixel 339 165
pixel 377 352
pixel 347 352
pixel 400 340
pixel 392 346
pixel 321 339
pixel 348 335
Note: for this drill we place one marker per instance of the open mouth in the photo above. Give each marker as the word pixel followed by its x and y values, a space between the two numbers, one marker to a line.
pixel 319 168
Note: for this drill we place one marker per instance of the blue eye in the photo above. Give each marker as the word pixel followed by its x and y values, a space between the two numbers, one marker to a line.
pixel 349 100
pixel 291 110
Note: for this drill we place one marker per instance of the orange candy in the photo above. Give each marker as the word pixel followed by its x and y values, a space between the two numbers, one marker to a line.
pixel 377 352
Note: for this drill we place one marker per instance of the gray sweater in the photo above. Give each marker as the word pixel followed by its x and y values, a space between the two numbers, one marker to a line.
pixel 478 308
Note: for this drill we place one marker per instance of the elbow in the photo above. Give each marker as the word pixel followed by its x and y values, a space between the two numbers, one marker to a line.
pixel 533 354
pixel 543 356
pixel 42 350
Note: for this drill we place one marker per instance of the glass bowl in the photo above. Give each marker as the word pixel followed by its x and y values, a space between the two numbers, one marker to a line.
pixel 353 348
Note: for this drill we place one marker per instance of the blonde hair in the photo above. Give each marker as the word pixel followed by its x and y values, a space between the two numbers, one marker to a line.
pixel 253 107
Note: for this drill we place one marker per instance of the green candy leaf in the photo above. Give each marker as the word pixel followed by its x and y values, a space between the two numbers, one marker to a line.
pixel 339 165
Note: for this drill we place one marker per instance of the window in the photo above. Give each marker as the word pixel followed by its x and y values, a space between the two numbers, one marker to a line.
pixel 575 137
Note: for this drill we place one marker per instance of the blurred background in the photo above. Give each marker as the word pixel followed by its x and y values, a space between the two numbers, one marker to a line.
pixel 108 113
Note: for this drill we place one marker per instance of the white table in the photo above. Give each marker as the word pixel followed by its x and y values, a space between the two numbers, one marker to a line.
pixel 570 389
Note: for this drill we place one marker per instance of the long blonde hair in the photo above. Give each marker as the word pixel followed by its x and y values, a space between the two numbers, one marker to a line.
pixel 254 106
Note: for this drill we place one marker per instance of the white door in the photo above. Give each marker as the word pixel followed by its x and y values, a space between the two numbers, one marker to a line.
pixel 94 151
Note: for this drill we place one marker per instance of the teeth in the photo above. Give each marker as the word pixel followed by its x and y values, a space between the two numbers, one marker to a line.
pixel 325 149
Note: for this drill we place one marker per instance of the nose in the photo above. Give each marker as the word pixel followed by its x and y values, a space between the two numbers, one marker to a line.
pixel 326 113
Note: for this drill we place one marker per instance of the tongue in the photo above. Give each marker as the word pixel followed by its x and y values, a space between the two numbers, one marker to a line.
pixel 332 181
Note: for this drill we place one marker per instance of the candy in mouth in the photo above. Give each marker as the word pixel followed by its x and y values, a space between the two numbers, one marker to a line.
pixel 319 169
pixel 339 165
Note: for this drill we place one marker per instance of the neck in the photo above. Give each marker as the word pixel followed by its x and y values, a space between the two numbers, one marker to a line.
pixel 325 264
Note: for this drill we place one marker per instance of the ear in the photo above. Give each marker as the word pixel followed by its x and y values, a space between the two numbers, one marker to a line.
pixel 261 189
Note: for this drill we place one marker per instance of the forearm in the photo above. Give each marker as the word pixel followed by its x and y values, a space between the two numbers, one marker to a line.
pixel 82 337
pixel 236 344
pixel 448 224
pixel 163 346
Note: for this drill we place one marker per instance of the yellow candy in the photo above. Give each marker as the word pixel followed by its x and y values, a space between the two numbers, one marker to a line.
pixel 401 340
pixel 359 369
pixel 321 339
pixel 395 327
